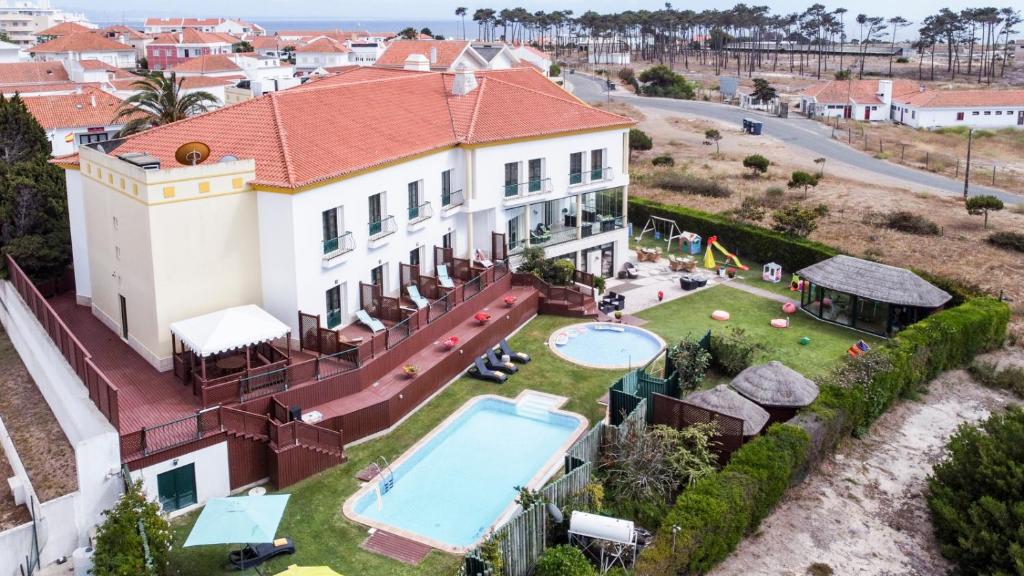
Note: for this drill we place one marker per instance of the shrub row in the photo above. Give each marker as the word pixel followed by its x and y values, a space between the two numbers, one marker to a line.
pixel 744 240
pixel 711 517
pixel 1007 240
pixel 675 181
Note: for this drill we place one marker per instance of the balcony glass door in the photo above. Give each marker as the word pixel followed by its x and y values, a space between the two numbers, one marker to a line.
pixel 333 305
pixel 597 164
pixel 330 230
pixel 446 187
pixel 576 168
pixel 535 170
pixel 376 213
pixel 511 179
pixel 414 200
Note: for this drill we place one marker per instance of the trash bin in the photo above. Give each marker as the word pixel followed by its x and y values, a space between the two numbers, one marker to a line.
pixel 746 125
pixel 756 127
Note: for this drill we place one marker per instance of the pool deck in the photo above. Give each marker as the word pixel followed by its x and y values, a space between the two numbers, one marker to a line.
pixel 545 472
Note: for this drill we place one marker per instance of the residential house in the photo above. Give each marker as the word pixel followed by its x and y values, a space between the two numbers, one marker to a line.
pixel 233 26
pixel 441 55
pixel 85 46
pixel 271 47
pixel 62 29
pixel 61 77
pixel 869 100
pixel 980 108
pixel 323 52
pixel 22 20
pixel 129 37
pixel 171 49
pixel 72 120
pixel 9 53
pixel 313 215
pixel 365 52
pixel 248 74
pixel 497 54
pixel 533 56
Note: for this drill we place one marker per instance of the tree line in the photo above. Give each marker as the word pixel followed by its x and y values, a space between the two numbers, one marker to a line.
pixel 748 38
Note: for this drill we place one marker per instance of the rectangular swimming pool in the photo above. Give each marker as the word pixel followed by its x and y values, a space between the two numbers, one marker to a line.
pixel 458 481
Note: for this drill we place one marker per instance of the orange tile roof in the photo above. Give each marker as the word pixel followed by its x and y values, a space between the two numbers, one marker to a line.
pixel 447 52
pixel 208 63
pixel 81 42
pixel 100 65
pixel 93 107
pixel 860 91
pixel 122 31
pixel 188 82
pixel 394 115
pixel 266 42
pixel 17 73
pixel 63 29
pixel 324 45
pixel 193 36
pixel 963 98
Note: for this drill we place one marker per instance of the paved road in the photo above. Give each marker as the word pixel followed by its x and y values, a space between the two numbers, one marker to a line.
pixel 807 134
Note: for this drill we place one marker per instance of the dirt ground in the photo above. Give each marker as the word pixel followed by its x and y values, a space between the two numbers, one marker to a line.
pixel 41 444
pixel 851 196
pixel 863 511
pixel 11 515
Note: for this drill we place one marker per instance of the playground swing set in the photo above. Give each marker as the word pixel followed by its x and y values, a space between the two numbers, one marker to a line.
pixel 669 231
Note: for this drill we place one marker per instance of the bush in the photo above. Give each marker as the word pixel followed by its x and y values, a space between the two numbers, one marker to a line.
pixel 627 75
pixel 801 179
pixel 796 221
pixel 663 160
pixel 554 70
pixel 118 543
pixel 757 164
pixel 732 351
pixel 564 561
pixel 976 496
pixel 745 240
pixel 982 205
pixel 841 74
pixel 689 184
pixel 558 271
pixel 751 210
pixel 774 196
pixel 910 223
pixel 1007 240
pixel 713 515
pixel 902 60
pixel 691 362
pixel 639 140
pixel 662 81
pixel 991 374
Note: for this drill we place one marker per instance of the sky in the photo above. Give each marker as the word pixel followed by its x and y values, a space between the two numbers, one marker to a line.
pixel 914 10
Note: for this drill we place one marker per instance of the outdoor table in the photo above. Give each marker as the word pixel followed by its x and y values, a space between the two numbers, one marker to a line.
pixel 231 363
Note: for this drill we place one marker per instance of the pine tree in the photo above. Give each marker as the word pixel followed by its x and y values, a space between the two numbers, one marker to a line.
pixel 21 137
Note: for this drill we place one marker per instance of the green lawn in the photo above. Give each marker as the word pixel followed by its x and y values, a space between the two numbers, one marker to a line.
pixel 314 518
pixel 691 315
pixel 323 536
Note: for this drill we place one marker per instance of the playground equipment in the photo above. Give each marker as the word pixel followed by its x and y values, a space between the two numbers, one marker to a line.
pixel 861 347
pixel 663 229
pixel 689 243
pixel 796 284
pixel 709 256
pixel 789 308
pixel 771 272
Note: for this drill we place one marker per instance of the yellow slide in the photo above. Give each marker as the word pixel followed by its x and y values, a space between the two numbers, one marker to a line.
pixel 709 257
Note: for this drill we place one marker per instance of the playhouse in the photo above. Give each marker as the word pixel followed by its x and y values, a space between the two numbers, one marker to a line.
pixel 771 272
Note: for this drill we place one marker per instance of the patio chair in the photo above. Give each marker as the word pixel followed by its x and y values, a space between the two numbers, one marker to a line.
pixel 495 363
pixel 481 372
pixel 540 234
pixel 252 555
pixel 505 349
pixel 414 295
pixel 372 323
pixel 480 258
pixel 631 270
pixel 443 277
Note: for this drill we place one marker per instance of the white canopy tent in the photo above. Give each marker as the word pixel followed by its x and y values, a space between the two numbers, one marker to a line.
pixel 235 340
pixel 228 329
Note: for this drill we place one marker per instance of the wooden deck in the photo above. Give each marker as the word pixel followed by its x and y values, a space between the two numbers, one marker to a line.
pixel 146 396
pixel 396 547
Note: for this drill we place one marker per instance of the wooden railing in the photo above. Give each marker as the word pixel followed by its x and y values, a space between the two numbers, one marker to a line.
pixel 102 391
pixel 299 433
pixel 244 423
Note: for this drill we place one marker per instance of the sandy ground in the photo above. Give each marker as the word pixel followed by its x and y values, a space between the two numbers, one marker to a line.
pixel 852 197
pixel 864 511
pixel 41 444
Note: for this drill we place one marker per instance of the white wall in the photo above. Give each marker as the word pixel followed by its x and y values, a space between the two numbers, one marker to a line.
pixel 79 237
pixel 314 60
pixel 212 475
pixel 973 117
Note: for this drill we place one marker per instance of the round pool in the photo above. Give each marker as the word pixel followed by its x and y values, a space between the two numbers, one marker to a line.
pixel 606 346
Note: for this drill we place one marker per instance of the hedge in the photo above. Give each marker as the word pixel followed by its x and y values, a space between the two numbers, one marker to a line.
pixel 712 516
pixel 744 240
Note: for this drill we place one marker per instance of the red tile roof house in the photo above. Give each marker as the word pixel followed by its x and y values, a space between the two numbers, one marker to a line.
pixel 232 26
pixel 294 211
pixel 857 99
pixel 323 52
pixel 991 109
pixel 169 50
pixel 441 55
pixel 85 46
pixel 71 120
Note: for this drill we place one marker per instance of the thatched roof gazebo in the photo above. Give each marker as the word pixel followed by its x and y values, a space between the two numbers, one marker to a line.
pixel 724 400
pixel 868 296
pixel 777 388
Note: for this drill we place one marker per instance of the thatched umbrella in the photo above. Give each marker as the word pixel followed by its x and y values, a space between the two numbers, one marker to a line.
pixel 725 400
pixel 777 388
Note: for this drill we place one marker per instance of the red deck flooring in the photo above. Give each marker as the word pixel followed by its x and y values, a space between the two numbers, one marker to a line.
pixel 394 382
pixel 146 397
pixel 396 547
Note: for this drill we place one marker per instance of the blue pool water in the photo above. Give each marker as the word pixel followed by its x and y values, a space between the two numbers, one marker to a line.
pixel 456 486
pixel 606 348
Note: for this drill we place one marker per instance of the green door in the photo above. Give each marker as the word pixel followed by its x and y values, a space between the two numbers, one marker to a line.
pixel 177 488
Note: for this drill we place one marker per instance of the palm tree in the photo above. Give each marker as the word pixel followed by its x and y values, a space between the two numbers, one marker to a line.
pixel 159 100
pixel 461 12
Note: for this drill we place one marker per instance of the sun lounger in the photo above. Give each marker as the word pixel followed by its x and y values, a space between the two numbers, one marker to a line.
pixel 505 349
pixel 495 363
pixel 349 341
pixel 255 554
pixel 443 277
pixel 372 323
pixel 414 295
pixel 481 372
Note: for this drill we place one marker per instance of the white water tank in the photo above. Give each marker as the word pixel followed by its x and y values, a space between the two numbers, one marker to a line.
pixel 601 527
pixel 82 560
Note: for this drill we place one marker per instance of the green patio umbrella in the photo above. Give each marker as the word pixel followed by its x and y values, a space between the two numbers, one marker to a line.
pixel 243 519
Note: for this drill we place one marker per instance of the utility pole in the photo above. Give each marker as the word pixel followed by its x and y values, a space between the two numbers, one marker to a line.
pixel 967 168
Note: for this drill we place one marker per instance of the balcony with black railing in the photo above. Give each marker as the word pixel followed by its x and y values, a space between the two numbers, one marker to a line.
pixel 452 200
pixel 421 213
pixel 336 247
pixel 382 228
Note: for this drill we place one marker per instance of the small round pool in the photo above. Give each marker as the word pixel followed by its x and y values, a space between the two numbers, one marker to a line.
pixel 606 346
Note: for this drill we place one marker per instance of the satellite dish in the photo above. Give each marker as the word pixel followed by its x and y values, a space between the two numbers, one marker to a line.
pixel 228 158
pixel 192 153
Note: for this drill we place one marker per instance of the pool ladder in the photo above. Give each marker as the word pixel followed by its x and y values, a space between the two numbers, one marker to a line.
pixel 387 477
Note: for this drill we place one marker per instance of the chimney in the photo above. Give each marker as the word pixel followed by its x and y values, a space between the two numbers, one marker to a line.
pixel 465 81
pixel 885 91
pixel 417 63
pixel 433 55
pixel 92 100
